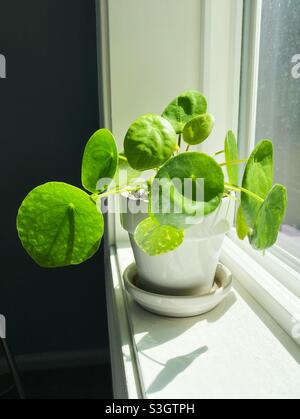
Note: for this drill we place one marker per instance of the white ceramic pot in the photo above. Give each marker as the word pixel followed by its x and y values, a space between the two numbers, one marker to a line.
pixel 192 267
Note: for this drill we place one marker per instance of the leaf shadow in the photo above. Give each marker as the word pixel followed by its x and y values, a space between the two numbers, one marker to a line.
pixel 173 368
pixel 173 327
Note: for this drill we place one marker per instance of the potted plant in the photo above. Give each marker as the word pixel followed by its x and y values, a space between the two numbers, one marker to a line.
pixel 176 216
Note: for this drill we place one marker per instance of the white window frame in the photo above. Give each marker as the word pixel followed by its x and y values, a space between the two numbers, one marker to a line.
pixel 271 281
pixel 273 278
pixel 248 114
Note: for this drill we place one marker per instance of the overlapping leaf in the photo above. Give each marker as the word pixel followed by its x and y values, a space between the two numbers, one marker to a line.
pixel 258 178
pixel 184 108
pixel 269 219
pixel 198 129
pixel 191 185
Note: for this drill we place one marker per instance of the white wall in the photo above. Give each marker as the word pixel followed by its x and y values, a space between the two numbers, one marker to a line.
pixel 155 54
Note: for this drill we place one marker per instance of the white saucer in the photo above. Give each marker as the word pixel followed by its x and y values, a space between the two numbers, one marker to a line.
pixel 177 306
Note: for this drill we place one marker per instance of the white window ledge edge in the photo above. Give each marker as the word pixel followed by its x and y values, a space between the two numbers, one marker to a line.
pixel 125 374
pixel 272 295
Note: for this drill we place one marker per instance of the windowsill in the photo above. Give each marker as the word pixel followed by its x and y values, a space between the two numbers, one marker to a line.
pixel 236 351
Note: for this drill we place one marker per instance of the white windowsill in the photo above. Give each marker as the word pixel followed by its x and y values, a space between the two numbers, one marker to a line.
pixel 237 351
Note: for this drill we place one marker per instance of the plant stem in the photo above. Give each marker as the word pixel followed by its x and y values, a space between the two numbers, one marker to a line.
pixel 188 147
pixel 240 189
pixel 94 198
pixel 121 157
pixel 218 153
pixel 117 191
pixel 179 141
pixel 234 162
pixel 231 197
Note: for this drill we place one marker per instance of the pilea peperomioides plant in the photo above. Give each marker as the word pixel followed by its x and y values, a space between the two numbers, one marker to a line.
pixel 60 225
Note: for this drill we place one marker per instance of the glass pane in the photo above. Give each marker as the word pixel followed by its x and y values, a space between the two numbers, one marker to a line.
pixel 278 112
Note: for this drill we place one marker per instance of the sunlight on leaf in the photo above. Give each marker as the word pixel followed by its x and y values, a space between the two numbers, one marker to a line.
pixel 59 225
pixel 155 239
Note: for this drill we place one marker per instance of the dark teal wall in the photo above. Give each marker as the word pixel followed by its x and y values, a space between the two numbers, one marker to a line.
pixel 48 109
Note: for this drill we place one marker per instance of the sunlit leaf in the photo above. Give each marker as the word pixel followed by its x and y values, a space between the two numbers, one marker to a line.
pixel 192 185
pixel 258 178
pixel 184 108
pixel 149 142
pixel 269 219
pixel 155 239
pixel 198 129
pixel 242 228
pixel 59 225
pixel 231 155
pixel 100 161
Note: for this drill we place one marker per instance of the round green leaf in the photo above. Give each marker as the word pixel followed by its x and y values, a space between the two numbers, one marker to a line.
pixel 100 161
pixel 155 239
pixel 182 205
pixel 242 228
pixel 59 225
pixel 198 129
pixel 258 178
pixel 231 155
pixel 269 219
pixel 184 108
pixel 149 142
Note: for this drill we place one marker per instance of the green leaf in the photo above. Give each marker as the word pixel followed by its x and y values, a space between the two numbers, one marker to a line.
pixel 125 174
pixel 258 178
pixel 242 228
pixel 155 239
pixel 269 219
pixel 100 161
pixel 182 205
pixel 59 225
pixel 231 155
pixel 198 129
pixel 184 108
pixel 149 142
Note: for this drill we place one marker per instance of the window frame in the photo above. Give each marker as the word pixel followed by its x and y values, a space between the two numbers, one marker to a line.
pixel 248 112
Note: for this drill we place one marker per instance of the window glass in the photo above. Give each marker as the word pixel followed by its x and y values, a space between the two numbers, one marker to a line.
pixel 278 106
